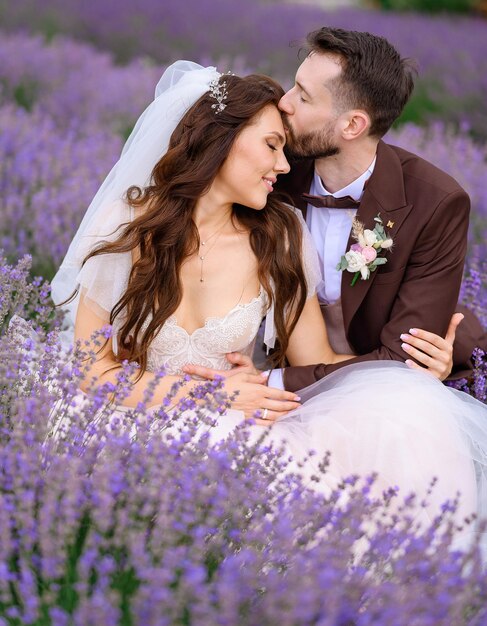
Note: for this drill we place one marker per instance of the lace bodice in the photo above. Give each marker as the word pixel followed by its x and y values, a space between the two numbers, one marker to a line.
pixel 103 280
pixel 173 347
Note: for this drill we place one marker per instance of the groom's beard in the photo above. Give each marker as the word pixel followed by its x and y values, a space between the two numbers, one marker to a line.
pixel 315 145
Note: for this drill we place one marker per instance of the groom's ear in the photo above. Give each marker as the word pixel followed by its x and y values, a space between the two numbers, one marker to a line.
pixel 355 124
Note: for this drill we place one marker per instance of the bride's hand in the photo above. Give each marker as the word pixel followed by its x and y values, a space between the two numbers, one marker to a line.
pixel 434 352
pixel 257 400
pixel 240 363
pixel 254 396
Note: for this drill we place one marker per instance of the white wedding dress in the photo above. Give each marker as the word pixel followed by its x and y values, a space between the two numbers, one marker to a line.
pixel 373 417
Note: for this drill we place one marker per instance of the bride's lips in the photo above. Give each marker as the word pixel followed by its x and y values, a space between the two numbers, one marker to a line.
pixel 269 183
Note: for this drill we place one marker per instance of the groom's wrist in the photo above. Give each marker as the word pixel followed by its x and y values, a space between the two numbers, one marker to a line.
pixel 275 379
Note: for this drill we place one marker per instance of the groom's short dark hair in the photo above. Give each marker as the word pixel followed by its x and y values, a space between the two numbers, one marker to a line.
pixel 374 76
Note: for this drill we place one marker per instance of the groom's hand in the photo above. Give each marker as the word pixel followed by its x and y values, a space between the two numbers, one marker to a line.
pixel 432 351
pixel 253 397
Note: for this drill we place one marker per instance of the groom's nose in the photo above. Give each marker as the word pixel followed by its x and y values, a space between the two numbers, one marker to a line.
pixel 285 104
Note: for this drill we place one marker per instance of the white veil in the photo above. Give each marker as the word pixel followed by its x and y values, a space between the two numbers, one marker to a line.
pixel 181 85
pixel 104 278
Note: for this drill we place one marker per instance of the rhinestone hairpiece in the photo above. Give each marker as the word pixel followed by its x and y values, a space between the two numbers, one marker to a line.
pixel 219 92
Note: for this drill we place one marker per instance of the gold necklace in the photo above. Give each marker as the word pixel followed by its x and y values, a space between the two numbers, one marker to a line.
pixel 201 256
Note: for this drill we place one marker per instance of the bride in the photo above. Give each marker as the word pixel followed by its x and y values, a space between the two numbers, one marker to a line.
pixel 184 252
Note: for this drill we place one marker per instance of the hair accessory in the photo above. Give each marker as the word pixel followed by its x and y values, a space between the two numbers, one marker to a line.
pixel 220 93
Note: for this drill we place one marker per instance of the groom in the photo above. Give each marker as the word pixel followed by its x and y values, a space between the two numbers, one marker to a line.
pixel 348 91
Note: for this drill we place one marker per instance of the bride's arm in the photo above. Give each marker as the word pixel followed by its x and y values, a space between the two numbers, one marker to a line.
pixel 308 343
pixel 106 367
pixel 248 390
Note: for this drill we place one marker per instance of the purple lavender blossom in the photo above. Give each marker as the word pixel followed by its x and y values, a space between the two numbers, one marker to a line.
pixel 452 75
pixel 131 525
pixel 48 178
pixel 74 84
pixel 458 155
pixel 136 518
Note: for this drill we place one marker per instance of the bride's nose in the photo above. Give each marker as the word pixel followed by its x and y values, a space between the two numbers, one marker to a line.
pixel 282 165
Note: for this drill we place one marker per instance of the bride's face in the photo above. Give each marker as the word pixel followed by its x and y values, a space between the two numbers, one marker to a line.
pixel 255 160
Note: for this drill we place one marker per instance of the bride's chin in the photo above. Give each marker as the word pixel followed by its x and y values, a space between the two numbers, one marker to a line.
pixel 261 205
pixel 256 207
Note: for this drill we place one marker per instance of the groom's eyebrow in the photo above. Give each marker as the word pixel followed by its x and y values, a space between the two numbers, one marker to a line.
pixel 303 89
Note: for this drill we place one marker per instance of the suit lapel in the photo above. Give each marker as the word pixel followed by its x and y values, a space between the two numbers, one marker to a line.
pixel 384 194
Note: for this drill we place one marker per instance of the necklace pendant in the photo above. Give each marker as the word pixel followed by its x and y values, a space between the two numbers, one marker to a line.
pixel 201 280
pixel 203 243
pixel 202 258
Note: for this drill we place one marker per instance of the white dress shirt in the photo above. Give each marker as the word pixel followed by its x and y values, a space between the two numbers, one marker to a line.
pixel 330 229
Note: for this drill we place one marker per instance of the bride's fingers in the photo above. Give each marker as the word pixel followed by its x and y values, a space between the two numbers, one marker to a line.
pixel 452 328
pixel 240 360
pixel 414 366
pixel 205 372
pixel 279 406
pixel 420 356
pixel 270 395
pixel 210 374
pixel 267 422
pixel 439 367
pixel 430 340
pixel 271 417
pixel 425 347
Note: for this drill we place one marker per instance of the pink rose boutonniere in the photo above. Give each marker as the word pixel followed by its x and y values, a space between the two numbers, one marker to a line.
pixel 363 256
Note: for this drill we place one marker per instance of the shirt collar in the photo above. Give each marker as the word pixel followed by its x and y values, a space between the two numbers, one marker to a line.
pixel 355 189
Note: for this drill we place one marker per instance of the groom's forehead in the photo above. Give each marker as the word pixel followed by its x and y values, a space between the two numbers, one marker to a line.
pixel 317 70
pixel 322 63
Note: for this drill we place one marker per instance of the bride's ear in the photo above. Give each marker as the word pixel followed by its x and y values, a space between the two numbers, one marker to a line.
pixel 356 123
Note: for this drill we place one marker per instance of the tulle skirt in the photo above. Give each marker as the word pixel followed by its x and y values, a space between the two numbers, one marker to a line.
pixel 384 418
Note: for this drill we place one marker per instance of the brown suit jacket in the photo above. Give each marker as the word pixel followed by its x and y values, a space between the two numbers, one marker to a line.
pixel 426 212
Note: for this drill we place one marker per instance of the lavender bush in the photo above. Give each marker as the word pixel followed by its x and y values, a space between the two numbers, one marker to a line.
pixel 455 153
pixel 453 74
pixel 138 520
pixel 20 296
pixel 74 84
pixel 55 155
pixel 47 179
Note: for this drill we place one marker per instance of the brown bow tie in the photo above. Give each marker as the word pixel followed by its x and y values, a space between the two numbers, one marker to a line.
pixel 330 202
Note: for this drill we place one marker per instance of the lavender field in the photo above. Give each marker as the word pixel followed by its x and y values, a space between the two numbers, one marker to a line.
pixel 99 527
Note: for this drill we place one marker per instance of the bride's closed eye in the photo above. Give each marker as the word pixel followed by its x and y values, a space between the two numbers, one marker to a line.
pixel 273 148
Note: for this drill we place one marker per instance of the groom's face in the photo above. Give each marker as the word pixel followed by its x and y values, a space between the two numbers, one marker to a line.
pixel 311 113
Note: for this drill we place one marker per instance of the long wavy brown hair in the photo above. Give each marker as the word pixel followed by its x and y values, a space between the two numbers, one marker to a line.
pixel 165 233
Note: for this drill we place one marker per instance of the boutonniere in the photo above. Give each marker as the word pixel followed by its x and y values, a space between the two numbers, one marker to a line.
pixel 363 256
